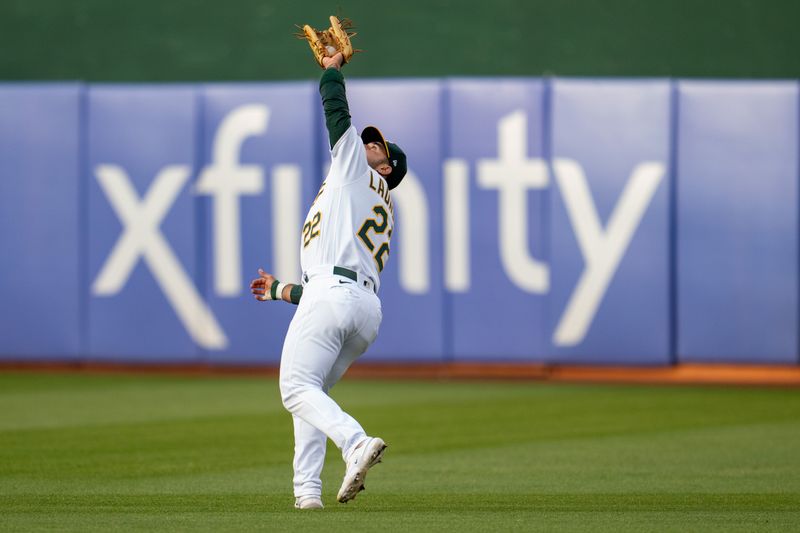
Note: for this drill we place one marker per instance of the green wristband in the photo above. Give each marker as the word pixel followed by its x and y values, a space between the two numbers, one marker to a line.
pixel 274 289
pixel 296 293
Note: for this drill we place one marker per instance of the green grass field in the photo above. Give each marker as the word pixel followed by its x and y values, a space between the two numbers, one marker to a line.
pixel 101 452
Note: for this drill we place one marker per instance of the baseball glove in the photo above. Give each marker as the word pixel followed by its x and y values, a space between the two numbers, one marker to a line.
pixel 328 42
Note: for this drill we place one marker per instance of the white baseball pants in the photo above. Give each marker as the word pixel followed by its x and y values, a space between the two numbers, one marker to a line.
pixel 334 324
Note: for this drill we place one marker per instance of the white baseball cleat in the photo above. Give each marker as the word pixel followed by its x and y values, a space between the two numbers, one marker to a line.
pixel 308 502
pixel 368 454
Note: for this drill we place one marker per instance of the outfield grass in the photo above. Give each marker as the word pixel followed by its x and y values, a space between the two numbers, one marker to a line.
pixel 94 453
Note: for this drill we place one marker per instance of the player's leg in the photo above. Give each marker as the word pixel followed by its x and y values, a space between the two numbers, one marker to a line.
pixel 309 442
pixel 352 349
pixel 309 457
pixel 367 451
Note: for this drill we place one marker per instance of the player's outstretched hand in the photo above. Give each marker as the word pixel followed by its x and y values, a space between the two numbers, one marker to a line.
pixel 261 285
pixel 336 61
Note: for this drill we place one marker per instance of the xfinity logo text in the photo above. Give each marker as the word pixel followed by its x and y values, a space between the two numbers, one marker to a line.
pixel 511 175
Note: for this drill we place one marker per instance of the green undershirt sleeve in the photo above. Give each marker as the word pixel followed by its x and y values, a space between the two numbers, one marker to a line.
pixel 334 102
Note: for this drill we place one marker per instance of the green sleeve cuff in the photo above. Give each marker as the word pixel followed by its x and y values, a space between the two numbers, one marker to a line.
pixel 331 74
pixel 296 293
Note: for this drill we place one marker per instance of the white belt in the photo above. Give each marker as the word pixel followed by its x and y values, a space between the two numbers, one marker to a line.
pixel 327 270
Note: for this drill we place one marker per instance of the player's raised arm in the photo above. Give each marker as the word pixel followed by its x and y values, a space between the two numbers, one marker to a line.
pixel 334 98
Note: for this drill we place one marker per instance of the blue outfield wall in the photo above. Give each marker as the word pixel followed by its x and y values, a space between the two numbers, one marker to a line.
pixel 40 221
pixel 737 221
pixel 589 221
pixel 610 221
pixel 141 231
pixel 495 182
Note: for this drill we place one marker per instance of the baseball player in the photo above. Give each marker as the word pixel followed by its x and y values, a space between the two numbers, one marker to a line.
pixel 344 247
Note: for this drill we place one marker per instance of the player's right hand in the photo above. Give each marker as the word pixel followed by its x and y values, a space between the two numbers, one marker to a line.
pixel 337 60
pixel 261 285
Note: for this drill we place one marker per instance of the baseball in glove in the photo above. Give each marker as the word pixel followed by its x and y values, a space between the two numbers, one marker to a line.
pixel 328 42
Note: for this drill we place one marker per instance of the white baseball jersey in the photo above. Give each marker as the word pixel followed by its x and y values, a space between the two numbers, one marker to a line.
pixel 350 222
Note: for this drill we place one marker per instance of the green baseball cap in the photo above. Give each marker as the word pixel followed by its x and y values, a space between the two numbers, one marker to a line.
pixel 397 157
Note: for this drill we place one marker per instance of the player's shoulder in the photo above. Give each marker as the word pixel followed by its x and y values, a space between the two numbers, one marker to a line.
pixel 348 159
pixel 347 142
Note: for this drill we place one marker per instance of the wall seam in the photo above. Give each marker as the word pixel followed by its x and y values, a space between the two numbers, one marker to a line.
pixel 198 204
pixel 673 223
pixel 448 339
pixel 547 354
pixel 83 222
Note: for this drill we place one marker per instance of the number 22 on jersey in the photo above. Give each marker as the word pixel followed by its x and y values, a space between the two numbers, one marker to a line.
pixel 379 229
pixel 311 229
